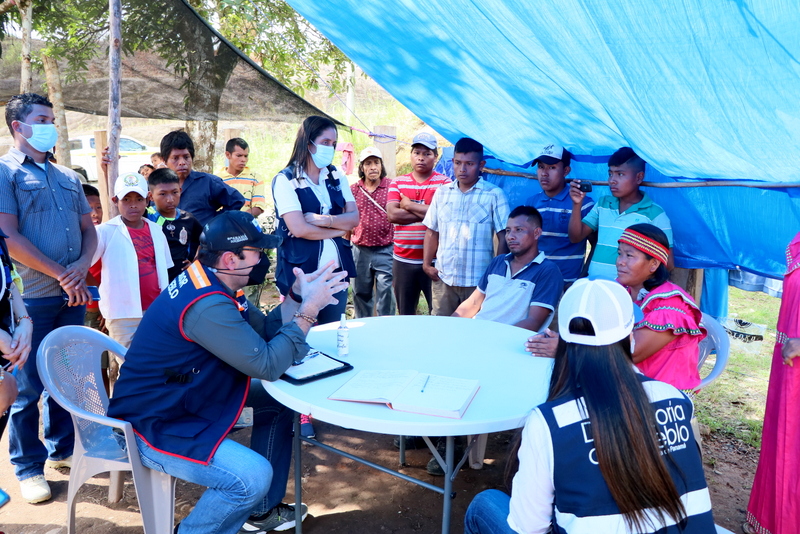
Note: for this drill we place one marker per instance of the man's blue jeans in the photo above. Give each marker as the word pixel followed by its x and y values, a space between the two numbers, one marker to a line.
pixel 28 454
pixel 240 481
pixel 488 514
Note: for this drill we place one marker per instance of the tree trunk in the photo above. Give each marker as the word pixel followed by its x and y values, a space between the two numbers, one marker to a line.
pixel 56 96
pixel 204 136
pixel 26 73
pixel 209 68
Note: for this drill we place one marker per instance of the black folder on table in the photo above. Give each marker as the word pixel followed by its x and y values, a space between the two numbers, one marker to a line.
pixel 314 366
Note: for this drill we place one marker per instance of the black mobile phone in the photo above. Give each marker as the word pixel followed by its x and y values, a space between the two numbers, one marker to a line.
pixel 585 187
pixel 92 291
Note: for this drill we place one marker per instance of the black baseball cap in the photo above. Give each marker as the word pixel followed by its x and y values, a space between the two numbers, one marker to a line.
pixel 232 230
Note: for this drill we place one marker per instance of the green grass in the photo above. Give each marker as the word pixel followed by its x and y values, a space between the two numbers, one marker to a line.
pixel 734 404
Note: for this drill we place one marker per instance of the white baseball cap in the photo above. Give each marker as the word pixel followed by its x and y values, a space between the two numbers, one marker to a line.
pixel 369 152
pixel 131 181
pixel 605 304
pixel 551 154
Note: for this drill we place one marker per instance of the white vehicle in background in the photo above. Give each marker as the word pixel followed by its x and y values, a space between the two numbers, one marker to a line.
pixel 132 155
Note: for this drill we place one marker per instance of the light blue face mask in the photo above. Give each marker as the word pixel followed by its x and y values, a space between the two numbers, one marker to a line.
pixel 43 136
pixel 324 155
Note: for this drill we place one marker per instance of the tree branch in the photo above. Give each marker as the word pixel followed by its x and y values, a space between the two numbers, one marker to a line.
pixel 7 6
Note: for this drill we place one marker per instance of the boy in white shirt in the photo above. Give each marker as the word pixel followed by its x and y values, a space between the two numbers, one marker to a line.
pixel 135 258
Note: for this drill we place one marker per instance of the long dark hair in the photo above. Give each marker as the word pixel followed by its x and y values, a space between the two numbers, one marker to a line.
pixel 311 128
pixel 656 234
pixel 623 426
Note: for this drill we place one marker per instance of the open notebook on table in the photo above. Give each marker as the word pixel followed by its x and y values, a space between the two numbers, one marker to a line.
pixel 410 391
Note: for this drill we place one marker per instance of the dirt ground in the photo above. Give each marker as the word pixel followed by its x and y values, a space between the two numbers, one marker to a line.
pixel 345 496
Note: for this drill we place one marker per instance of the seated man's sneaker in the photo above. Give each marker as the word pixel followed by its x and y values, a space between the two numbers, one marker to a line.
pixel 434 468
pixel 279 518
pixel 57 464
pixel 35 489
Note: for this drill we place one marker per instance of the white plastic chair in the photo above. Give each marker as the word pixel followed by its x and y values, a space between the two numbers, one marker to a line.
pixel 717 341
pixel 69 367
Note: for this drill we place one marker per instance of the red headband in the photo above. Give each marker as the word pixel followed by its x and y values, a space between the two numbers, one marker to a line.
pixel 649 246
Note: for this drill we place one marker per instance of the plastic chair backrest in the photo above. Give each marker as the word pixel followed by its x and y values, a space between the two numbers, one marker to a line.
pixel 717 341
pixel 69 366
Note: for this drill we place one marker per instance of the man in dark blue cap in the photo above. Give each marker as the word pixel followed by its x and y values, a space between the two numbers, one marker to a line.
pixel 197 360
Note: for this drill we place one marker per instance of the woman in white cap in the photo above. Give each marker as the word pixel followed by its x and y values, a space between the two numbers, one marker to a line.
pixel 668 335
pixel 611 451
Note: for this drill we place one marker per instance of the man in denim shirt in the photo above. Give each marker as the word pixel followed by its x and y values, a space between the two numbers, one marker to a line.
pixel 52 239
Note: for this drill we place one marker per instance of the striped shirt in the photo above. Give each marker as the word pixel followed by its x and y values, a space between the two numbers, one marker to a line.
pixel 555 242
pixel 251 188
pixel 409 238
pixel 48 204
pixel 467 223
pixel 609 223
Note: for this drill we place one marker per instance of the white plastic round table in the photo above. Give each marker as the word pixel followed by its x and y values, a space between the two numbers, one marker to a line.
pixel 512 381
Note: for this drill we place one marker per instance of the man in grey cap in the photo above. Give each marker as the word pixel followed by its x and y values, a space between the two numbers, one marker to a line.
pixel 408 201
pixel 197 359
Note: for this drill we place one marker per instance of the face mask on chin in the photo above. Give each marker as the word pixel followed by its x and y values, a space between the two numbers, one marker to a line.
pixel 257 274
pixel 43 136
pixel 323 156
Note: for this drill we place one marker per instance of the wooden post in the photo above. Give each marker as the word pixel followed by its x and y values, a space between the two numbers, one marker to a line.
pixel 230 133
pixel 351 94
pixel 104 185
pixel 114 121
pixel 388 148
pixel 26 72
pixel 115 478
pixel 689 279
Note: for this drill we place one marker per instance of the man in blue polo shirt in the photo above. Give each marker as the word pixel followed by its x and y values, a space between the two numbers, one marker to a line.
pixel 522 287
pixel 555 206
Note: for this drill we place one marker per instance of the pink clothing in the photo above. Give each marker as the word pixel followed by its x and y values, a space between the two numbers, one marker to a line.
pixel 348 157
pixel 774 507
pixel 668 307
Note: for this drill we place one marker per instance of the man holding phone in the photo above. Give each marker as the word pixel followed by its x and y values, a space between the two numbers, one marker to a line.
pixel 44 212
pixel 555 206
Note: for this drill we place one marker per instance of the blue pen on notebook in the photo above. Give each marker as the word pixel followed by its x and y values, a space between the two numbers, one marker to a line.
pixel 425 384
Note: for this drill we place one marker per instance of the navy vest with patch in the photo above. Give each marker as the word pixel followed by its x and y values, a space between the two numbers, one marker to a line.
pixel 583 502
pixel 305 253
pixel 179 397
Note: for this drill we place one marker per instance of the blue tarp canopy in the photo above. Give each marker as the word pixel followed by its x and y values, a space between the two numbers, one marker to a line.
pixel 701 90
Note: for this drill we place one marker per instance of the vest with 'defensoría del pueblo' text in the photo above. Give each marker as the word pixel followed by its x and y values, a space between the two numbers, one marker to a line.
pixel 179 397
pixel 583 502
pixel 305 253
